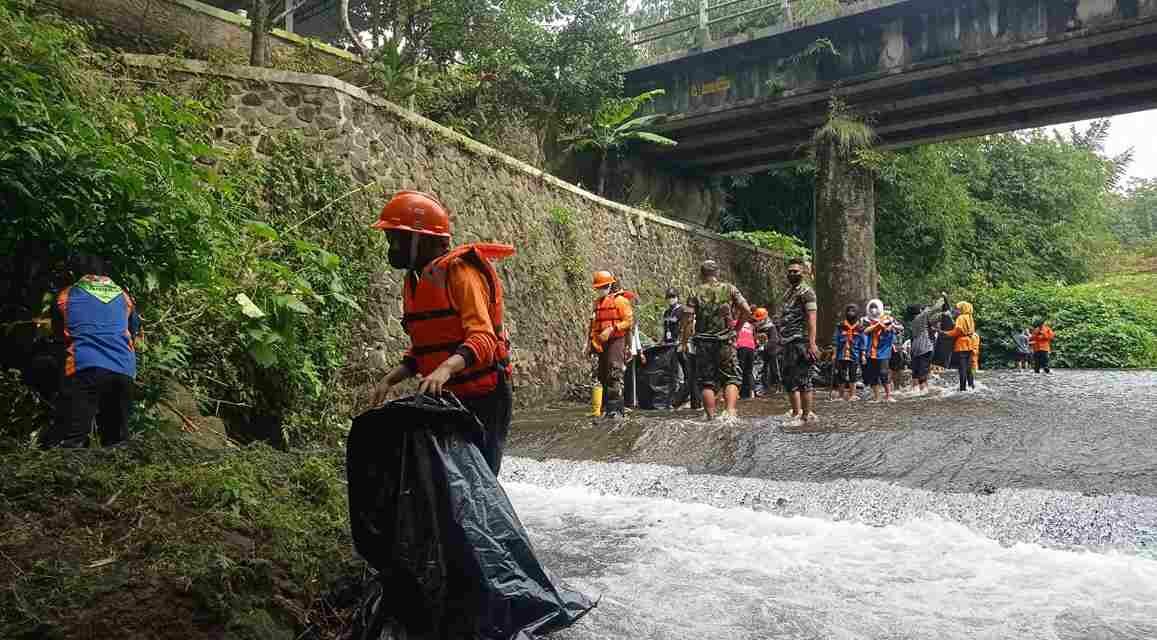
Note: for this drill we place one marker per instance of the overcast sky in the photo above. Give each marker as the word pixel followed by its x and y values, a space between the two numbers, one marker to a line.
pixel 1137 130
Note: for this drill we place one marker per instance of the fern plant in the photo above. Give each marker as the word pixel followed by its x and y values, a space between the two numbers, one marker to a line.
pixel 845 129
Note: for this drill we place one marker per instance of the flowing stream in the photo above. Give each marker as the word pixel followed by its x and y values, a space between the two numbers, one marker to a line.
pixel 1025 510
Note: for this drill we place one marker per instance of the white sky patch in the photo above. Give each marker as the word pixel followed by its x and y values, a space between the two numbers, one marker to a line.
pixel 1137 130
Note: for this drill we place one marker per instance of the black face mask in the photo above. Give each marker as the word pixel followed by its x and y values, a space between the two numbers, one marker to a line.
pixel 852 316
pixel 399 252
pixel 794 278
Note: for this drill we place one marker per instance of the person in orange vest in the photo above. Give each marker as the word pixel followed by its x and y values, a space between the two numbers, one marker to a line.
pixel 963 331
pixel 452 310
pixel 1041 341
pixel 613 318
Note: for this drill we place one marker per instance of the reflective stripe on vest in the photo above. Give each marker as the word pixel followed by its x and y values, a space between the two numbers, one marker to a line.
pixel 435 328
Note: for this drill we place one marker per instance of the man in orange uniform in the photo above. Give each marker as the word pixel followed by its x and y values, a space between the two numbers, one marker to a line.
pixel 1041 341
pixel 614 316
pixel 452 311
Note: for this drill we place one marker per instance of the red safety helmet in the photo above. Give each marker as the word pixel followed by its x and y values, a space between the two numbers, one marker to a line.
pixel 602 279
pixel 414 211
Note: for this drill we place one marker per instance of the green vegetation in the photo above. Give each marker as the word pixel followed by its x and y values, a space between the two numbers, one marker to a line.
pixel 614 125
pixel 247 271
pixel 1097 324
pixel 772 241
pixel 164 539
pixel 1022 222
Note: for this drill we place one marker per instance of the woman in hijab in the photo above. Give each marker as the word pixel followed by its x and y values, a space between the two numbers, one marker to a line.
pixel 963 332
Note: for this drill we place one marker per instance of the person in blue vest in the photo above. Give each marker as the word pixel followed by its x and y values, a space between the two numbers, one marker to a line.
pixel 97 323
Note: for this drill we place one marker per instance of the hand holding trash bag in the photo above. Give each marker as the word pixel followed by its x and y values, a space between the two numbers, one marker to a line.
pixel 451 557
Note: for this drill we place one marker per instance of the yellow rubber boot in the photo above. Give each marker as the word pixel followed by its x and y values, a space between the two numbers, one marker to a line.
pixel 597 401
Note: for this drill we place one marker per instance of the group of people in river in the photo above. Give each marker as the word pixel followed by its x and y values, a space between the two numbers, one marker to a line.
pixel 721 347
pixel 725 349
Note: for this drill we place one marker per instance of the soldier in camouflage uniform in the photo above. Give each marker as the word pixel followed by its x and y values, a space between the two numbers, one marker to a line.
pixel 714 305
pixel 797 338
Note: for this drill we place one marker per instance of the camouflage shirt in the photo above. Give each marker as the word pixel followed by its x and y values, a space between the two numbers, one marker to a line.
pixel 797 302
pixel 713 302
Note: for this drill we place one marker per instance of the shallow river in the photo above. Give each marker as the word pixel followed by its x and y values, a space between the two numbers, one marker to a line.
pixel 1027 510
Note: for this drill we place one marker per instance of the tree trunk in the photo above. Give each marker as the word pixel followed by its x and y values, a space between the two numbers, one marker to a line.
pixel 845 257
pixel 344 14
pixel 259 29
pixel 602 173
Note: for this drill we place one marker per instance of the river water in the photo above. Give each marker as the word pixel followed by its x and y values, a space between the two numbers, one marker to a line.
pixel 1025 510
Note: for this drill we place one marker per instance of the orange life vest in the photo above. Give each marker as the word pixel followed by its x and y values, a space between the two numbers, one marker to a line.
pixel 607 314
pixel 435 327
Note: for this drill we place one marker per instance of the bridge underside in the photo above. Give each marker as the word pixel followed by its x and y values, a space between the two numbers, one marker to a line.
pixel 1071 76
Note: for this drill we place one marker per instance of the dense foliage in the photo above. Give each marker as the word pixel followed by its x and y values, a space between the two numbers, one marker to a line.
pixel 233 261
pixel 1097 325
pixel 499 70
pixel 1019 213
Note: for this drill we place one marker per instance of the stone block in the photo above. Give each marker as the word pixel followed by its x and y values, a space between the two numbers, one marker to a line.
pixel 325 122
pixel 251 100
pixel 276 107
pixel 307 113
pixel 270 120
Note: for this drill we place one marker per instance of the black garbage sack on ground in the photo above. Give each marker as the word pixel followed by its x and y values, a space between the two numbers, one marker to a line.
pixel 658 383
pixel 452 558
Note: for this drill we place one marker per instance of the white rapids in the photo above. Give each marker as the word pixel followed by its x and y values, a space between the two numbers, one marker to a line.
pixel 677 569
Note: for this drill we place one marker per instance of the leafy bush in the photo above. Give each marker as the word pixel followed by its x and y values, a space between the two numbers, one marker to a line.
pixel 247 272
pixel 789 246
pixel 1096 327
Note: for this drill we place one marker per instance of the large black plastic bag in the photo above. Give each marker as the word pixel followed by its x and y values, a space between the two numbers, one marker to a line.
pixel 659 375
pixel 429 516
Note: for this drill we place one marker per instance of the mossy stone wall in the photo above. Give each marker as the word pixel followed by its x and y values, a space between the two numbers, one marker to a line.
pixel 561 232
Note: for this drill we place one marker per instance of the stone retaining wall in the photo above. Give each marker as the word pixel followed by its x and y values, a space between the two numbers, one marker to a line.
pixel 194 26
pixel 562 232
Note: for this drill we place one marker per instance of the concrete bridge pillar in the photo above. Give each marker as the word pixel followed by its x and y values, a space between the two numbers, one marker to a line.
pixel 845 259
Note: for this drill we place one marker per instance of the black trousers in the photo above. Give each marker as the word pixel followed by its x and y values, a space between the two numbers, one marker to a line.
pixel 746 371
pixel 964 367
pixel 771 375
pixel 494 411
pixel 690 389
pixel 1041 361
pixel 88 395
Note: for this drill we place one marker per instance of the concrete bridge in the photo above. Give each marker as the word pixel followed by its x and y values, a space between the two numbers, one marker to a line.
pixel 924 70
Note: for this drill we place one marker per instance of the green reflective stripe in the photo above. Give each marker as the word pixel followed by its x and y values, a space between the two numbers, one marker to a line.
pixel 106 292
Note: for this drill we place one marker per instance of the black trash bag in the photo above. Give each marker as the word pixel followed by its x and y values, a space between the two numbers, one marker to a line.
pixel 427 513
pixel 658 376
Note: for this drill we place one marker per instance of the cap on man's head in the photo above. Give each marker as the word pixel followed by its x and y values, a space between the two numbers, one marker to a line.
pixel 672 292
pixel 709 268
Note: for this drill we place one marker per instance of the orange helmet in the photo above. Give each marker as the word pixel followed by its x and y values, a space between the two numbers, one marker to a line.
pixel 414 211
pixel 760 314
pixel 603 278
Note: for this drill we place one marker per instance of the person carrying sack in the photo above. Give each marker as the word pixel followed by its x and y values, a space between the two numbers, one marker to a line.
pixel 452 311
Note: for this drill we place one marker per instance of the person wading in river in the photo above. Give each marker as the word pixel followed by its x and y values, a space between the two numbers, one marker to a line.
pixel 847 341
pixel 797 338
pixel 1023 349
pixel 452 310
pixel 880 334
pixel 713 304
pixel 611 325
pixel 964 329
pixel 922 321
pixel 1042 345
